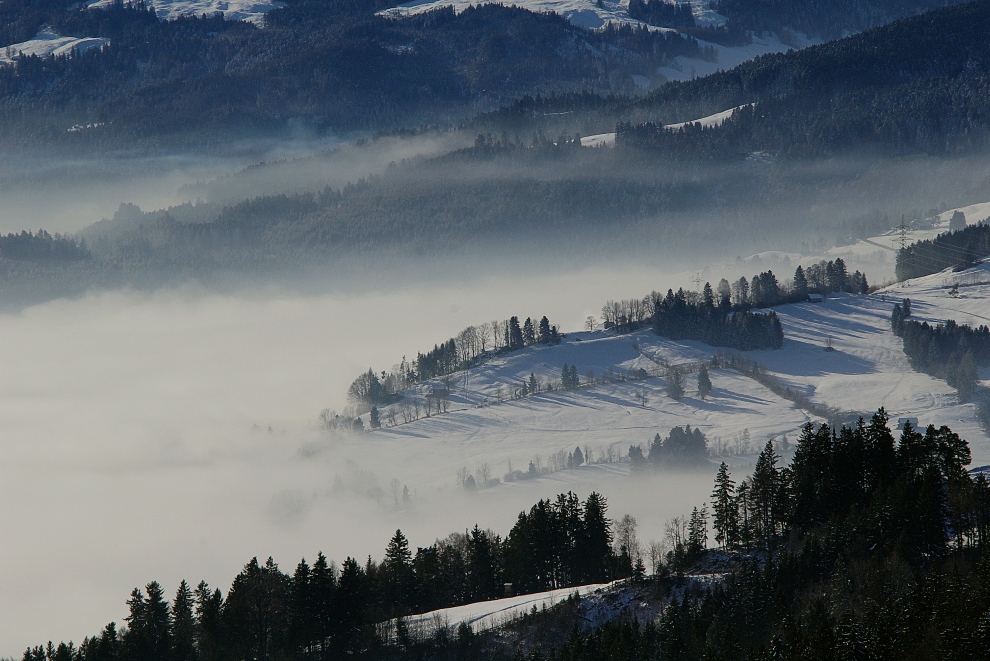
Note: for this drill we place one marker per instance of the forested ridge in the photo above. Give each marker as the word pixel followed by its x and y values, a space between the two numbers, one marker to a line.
pixel 863 547
pixel 890 90
pixel 318 67
pixel 918 85
pixel 338 66
pixel 954 249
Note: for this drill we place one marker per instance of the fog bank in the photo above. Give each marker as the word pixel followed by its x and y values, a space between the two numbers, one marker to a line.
pixel 136 442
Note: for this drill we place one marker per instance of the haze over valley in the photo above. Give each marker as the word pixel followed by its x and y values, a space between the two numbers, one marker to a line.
pixel 445 313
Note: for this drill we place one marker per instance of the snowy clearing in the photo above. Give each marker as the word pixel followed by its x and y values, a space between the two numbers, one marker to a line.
pixel 46 43
pixel 484 615
pixel 600 140
pixel 711 120
pixel 608 139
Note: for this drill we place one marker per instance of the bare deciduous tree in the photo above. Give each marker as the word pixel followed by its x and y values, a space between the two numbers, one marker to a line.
pixel 625 536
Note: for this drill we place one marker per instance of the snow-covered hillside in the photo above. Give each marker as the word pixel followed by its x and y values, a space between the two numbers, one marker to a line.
pixel 868 369
pixel 252 11
pixel 608 139
pixel 47 43
pixel 485 615
pixel 583 13
pixel 877 254
pixel 591 14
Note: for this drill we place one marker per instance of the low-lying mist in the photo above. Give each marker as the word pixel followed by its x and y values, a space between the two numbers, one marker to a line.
pixel 174 435
pixel 171 431
pixel 67 192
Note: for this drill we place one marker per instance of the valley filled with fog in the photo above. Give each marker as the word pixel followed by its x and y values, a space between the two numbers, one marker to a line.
pixel 170 435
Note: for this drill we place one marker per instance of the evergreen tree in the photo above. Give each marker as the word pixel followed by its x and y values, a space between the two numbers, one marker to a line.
pixel 528 332
pixel 534 387
pixel 725 513
pixel 704 383
pixel 675 389
pixel 256 611
pixel 183 625
pixel 302 615
pixel 322 590
pixel 698 531
pixel 639 570
pixel 350 606
pixel 515 334
pixel 545 336
pixel 577 458
pixel 209 632
pixel 397 573
pixel 575 380
pixel 766 493
pixel 594 545
pixel 149 635
pixel 724 294
pixel 375 420
pixel 800 283
pixel 484 565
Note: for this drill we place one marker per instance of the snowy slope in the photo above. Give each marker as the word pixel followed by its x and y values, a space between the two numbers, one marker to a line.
pixel 47 43
pixel 252 11
pixel 608 139
pixel 589 14
pixel 477 428
pixel 583 13
pixel 867 370
pixel 710 120
pixel 485 615
pixel 726 57
pixel 877 254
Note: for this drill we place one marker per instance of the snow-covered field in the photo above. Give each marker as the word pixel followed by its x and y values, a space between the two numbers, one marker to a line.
pixel 46 43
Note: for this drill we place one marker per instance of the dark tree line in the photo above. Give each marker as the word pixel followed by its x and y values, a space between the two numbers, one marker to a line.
pixel 864 548
pixel 662 14
pixel 322 611
pixel 683 447
pixel 960 249
pixel 878 90
pixel 42 246
pixel 818 18
pixel 715 324
pixel 722 316
pixel 947 351
pixel 473 344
